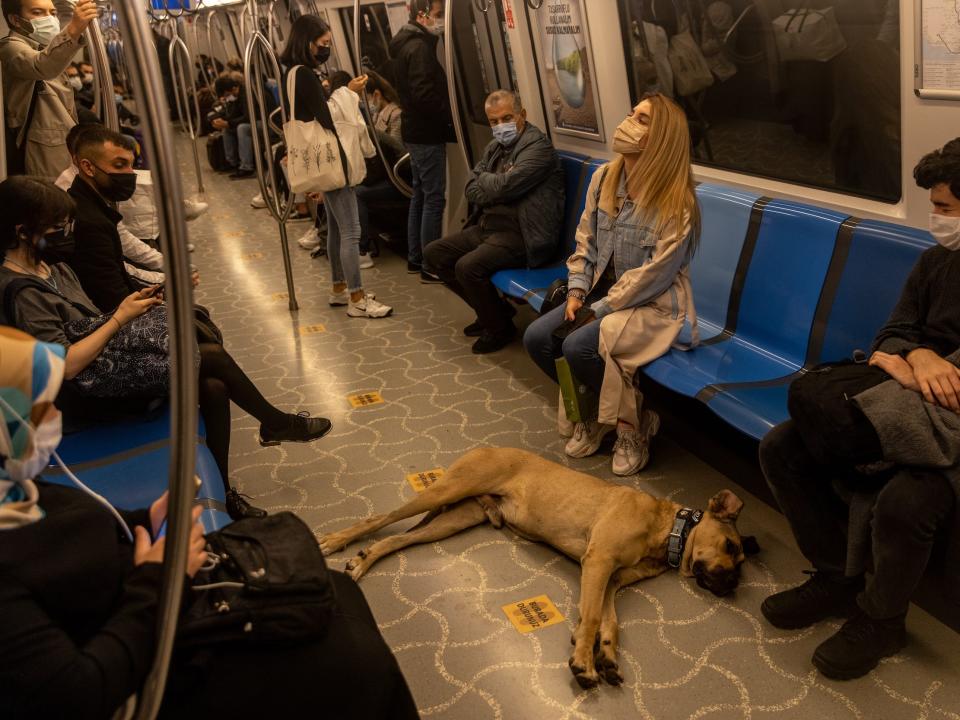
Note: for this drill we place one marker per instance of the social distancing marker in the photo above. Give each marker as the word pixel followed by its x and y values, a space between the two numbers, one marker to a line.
pixel 280 296
pixel 533 614
pixel 312 329
pixel 420 481
pixel 364 399
pixel 253 256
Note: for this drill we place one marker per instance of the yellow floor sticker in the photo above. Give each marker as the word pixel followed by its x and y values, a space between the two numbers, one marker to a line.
pixel 312 329
pixel 420 481
pixel 363 399
pixel 253 256
pixel 533 614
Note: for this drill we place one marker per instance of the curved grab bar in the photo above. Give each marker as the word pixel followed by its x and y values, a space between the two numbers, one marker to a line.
pixel 482 5
pixel 3 140
pixel 178 48
pixel 147 84
pixel 404 188
pixel 534 4
pixel 272 120
pixel 451 80
pixel 103 79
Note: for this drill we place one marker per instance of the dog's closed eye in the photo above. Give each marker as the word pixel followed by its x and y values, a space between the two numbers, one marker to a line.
pixel 750 545
pixel 732 548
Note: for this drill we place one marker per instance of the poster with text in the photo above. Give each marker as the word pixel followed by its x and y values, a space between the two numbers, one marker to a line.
pixel 567 64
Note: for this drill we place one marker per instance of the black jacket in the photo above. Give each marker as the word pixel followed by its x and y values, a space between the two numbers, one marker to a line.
pixel 98 258
pixel 533 185
pixel 422 85
pixel 236 110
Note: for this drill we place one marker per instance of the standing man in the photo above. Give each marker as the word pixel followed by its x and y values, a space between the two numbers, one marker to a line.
pixel 427 125
pixel 517 192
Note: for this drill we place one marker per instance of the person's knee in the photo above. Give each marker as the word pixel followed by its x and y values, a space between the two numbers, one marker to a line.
pixel 468 271
pixel 536 338
pixel 435 256
pixel 776 447
pixel 913 498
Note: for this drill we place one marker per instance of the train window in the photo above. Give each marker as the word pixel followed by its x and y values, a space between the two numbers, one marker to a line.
pixel 806 92
pixel 375 33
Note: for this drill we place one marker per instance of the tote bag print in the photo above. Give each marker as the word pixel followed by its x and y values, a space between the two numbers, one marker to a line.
pixel 313 159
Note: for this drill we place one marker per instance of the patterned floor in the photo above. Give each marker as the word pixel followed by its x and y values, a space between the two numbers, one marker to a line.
pixel 685 654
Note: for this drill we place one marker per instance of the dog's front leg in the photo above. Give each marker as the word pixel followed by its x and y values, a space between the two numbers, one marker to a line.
pixel 598 566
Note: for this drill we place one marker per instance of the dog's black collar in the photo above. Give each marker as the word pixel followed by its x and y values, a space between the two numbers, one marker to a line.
pixel 685 520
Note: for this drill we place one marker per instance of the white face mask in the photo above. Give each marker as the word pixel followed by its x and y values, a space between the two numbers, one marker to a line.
pixel 45 29
pixel 945 230
pixel 75 82
pixel 44 440
pixel 437 27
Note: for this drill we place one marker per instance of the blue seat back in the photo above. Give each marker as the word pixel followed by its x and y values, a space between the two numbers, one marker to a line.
pixel 725 217
pixel 574 186
pixel 881 257
pixel 782 288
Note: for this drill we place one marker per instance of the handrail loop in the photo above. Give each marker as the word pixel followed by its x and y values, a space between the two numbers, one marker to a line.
pixel 482 5
pixel 534 4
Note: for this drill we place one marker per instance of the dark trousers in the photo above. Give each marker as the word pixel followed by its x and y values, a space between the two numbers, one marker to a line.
pixel 908 511
pixel 466 262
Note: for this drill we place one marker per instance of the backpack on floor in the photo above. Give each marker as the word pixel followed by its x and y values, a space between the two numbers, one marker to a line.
pixel 215 152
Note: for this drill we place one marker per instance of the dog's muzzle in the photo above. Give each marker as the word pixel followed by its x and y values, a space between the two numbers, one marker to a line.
pixel 719 582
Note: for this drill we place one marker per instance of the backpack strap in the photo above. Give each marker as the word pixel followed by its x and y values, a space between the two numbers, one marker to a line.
pixel 25 128
pixel 15 286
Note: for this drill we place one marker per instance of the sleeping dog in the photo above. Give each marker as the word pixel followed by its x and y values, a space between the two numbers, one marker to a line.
pixel 618 534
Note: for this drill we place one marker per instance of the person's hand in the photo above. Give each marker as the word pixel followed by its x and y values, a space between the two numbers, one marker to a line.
pixel 897 368
pixel 83 12
pixel 938 379
pixel 197 554
pixel 358 84
pixel 220 123
pixel 573 304
pixel 195 277
pixel 136 304
pixel 158 512
pixel 146 551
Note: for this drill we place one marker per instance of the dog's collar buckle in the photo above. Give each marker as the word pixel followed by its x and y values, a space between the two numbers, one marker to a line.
pixel 684 521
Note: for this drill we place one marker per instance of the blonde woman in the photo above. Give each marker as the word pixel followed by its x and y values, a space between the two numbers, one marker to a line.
pixel 628 288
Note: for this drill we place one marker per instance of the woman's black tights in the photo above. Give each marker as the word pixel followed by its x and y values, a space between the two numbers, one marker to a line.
pixel 222 380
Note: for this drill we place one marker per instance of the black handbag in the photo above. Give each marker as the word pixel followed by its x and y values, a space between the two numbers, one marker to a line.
pixel 555 296
pixel 267 584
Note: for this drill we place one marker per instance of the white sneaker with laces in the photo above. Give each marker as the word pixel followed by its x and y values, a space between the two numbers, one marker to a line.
pixel 366 262
pixel 343 298
pixel 631 451
pixel 369 308
pixel 194 209
pixel 586 439
pixel 309 240
pixel 258 201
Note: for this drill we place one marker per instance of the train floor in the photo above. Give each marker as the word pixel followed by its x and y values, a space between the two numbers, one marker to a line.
pixel 684 653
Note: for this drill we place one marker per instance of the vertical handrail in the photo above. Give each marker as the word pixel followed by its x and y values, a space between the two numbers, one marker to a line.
pixel 178 58
pixel 451 80
pixel 148 86
pixel 3 139
pixel 259 48
pixel 395 179
pixel 102 76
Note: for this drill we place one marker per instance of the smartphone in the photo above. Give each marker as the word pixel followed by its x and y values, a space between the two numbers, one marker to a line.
pixel 162 531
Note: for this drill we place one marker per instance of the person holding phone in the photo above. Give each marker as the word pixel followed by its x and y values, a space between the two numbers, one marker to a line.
pixel 628 288
pixel 37 96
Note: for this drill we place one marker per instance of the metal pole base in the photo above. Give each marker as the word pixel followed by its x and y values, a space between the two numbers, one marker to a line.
pixel 287 268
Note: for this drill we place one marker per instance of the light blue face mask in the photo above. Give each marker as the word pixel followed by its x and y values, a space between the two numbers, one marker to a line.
pixel 506 133
pixel 44 30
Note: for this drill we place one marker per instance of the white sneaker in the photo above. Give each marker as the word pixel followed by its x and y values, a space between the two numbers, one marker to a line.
pixel 369 308
pixel 343 298
pixel 194 209
pixel 366 262
pixel 631 451
pixel 309 240
pixel 586 439
pixel 258 201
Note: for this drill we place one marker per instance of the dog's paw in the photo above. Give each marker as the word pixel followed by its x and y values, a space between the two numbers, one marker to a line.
pixel 610 670
pixel 586 677
pixel 358 566
pixel 331 543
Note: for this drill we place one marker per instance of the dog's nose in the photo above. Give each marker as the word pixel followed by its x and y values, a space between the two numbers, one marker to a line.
pixel 698 567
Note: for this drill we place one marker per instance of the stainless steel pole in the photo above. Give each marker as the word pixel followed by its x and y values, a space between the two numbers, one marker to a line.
pixel 181 69
pixel 451 79
pixel 102 77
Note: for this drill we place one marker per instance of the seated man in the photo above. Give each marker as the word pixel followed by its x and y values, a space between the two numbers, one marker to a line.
pixel 517 192
pixel 915 419
pixel 235 125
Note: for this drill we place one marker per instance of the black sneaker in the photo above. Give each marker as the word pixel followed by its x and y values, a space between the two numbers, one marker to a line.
pixel 238 508
pixel 413 268
pixel 491 342
pixel 299 428
pixel 474 329
pixel 242 174
pixel 428 278
pixel 859 646
pixel 818 598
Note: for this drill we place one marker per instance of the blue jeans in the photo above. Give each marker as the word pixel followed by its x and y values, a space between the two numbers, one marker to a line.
pixel 428 164
pixel 238 146
pixel 343 237
pixel 580 348
pixel 367 194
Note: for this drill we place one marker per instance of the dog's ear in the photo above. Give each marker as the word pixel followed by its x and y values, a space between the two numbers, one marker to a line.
pixel 725 506
pixel 749 544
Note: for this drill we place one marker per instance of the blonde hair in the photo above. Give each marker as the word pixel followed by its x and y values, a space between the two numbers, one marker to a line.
pixel 661 184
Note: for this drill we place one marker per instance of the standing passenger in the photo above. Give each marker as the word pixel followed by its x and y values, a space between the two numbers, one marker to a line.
pixel 38 99
pixel 427 126
pixel 636 238
pixel 309 47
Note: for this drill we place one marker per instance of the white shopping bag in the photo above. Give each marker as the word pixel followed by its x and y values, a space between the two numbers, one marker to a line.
pixel 805 34
pixel 313 155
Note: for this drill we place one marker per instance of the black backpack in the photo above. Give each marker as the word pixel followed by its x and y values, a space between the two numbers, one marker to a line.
pixel 215 152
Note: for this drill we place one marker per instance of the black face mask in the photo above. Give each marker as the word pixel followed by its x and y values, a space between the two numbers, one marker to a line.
pixel 58 245
pixel 120 186
pixel 322 54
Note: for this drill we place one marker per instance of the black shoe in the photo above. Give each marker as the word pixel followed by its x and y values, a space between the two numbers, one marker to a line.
pixel 242 174
pixel 428 278
pixel 238 508
pixel 413 268
pixel 490 342
pixel 474 329
pixel 859 646
pixel 299 428
pixel 818 598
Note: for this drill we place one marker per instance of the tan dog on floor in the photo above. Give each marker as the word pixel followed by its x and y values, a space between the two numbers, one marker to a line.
pixel 619 535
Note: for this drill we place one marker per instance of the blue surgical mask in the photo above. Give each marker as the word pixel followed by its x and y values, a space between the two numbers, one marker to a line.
pixel 44 30
pixel 506 133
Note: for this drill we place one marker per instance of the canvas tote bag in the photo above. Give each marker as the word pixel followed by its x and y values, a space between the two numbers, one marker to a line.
pixel 313 153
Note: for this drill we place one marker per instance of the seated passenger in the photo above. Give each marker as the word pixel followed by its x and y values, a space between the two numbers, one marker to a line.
pixel 79 601
pixel 913 421
pixel 235 125
pixel 517 192
pixel 629 289
pixel 34 238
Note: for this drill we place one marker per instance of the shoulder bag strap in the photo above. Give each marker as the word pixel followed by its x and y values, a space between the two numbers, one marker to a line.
pixel 16 285
pixel 25 128
pixel 292 90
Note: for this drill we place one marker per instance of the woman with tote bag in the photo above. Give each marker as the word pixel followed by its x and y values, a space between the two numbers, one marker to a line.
pixel 326 143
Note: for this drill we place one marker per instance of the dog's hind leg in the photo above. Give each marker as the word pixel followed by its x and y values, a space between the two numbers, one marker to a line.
pixel 465 514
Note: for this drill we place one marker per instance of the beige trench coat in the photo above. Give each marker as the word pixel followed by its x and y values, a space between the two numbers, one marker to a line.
pixel 23 64
pixel 643 313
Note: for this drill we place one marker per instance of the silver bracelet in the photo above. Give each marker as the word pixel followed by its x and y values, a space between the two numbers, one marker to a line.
pixel 577 293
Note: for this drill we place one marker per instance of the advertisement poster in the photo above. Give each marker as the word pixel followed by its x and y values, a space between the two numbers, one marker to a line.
pixel 567 64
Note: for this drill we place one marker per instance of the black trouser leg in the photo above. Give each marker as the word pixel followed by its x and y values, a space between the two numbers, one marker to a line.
pixel 803 489
pixel 215 408
pixel 908 511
